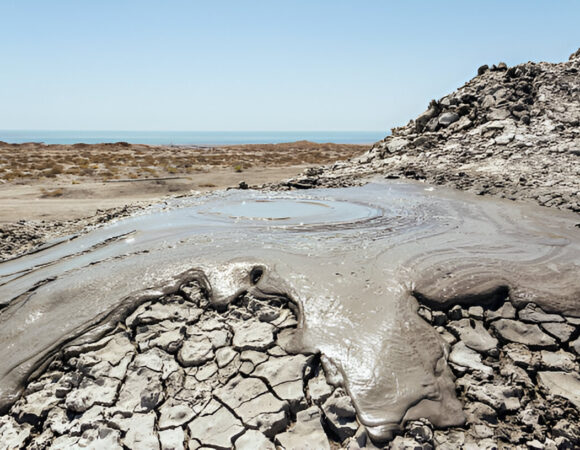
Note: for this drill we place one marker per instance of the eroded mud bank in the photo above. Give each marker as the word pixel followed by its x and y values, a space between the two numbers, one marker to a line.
pixel 354 261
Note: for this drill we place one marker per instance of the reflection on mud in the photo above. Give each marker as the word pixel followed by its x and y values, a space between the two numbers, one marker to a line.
pixel 354 260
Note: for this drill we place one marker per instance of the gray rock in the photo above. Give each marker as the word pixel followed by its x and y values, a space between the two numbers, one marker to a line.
pixel 505 311
pixel 468 358
pixel 575 345
pixel 41 441
pixel 439 318
pixel 475 312
pixel 251 335
pixel 473 334
pixel 522 333
pixel 425 313
pixel 420 430
pixel 340 414
pixel 505 138
pixel 397 144
pixel 535 314
pixel 196 350
pixel 253 440
pixel 567 430
pixel 218 430
pixel 515 374
pixel 12 434
pixel 306 433
pixel 500 397
pixel 456 313
pixel 562 384
pixel 561 331
pixel 65 443
pixel 447 118
pixel 172 439
pixel 449 440
pixel 406 443
pixel 477 412
pixel 521 355
pixel 36 405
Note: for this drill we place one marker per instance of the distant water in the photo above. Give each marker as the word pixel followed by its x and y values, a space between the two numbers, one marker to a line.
pixel 204 138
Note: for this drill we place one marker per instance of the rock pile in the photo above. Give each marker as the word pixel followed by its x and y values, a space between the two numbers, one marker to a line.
pixel 517 376
pixel 179 374
pixel 511 132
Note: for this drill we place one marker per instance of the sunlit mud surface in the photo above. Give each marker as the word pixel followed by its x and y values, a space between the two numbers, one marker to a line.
pixel 355 260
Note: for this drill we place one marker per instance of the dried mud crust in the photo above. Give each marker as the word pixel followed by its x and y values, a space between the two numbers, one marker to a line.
pixel 509 132
pixel 177 373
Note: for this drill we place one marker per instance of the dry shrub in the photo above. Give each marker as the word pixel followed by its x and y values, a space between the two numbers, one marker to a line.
pixel 47 193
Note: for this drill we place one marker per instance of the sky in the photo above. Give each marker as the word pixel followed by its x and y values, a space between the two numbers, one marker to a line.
pixel 258 65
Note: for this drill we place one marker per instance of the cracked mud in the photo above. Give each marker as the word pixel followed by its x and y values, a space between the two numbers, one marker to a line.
pixel 103 341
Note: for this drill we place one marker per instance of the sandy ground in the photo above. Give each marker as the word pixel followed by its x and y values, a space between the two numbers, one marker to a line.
pixel 63 183
pixel 35 201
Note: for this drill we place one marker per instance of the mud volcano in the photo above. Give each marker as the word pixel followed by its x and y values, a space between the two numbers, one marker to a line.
pixel 354 263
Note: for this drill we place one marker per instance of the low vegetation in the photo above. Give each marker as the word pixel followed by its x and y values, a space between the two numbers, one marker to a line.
pixel 69 163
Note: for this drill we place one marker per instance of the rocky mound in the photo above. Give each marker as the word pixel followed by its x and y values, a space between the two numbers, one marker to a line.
pixel 512 132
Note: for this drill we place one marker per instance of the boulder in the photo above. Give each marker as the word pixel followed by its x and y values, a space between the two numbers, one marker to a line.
pixel 447 118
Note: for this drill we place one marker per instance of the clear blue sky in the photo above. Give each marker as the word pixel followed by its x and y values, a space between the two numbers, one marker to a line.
pixel 257 65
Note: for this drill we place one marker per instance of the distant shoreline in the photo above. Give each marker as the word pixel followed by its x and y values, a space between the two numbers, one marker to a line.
pixel 187 138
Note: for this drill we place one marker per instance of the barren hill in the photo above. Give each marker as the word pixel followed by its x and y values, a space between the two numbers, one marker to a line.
pixel 512 132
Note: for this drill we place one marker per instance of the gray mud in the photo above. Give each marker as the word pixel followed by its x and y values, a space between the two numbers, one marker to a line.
pixel 353 261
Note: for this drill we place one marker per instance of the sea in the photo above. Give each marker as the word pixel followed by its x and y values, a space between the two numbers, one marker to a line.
pixel 201 138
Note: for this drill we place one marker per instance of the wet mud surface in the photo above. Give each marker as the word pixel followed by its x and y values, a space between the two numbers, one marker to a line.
pixel 355 266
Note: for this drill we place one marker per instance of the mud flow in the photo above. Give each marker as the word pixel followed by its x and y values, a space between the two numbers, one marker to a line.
pixel 354 263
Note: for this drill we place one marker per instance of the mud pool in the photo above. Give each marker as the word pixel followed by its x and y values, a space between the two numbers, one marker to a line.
pixel 354 260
